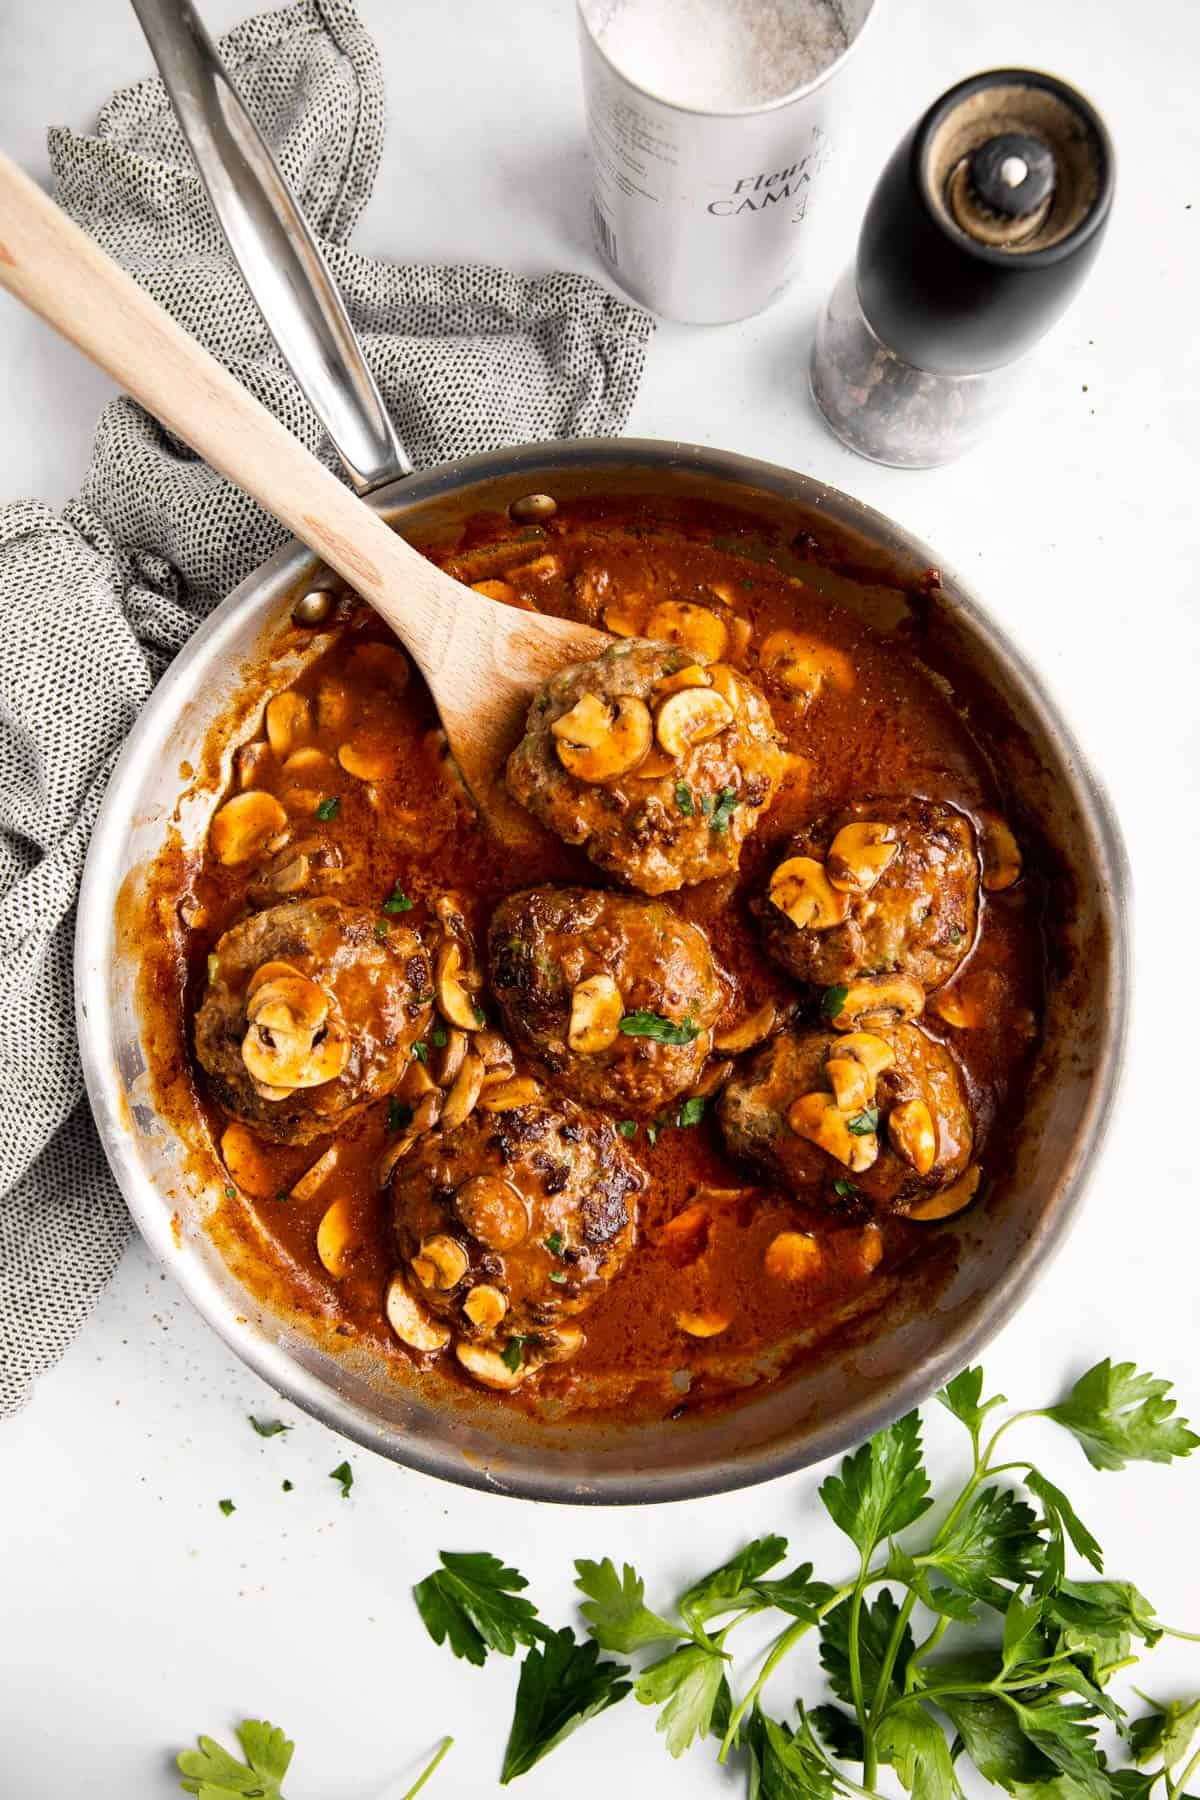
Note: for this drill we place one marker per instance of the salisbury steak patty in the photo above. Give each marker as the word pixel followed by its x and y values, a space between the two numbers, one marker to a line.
pixel 568 964
pixel 308 1016
pixel 881 1114
pixel 517 1219
pixel 657 763
pixel 884 886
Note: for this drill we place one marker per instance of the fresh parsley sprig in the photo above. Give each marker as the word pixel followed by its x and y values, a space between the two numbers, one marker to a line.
pixel 214 1774
pixel 972 1642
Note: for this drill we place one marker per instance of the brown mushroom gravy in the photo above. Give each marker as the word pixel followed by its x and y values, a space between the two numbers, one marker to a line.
pixel 408 1061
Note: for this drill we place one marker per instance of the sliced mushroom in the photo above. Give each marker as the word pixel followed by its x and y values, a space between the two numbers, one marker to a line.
pixel 409 1320
pixel 289 722
pixel 691 717
pixel 1001 856
pixel 368 761
pixel 859 854
pixel 951 1199
pixel 684 1238
pixel 853 1086
pixel 725 683
pixel 493 1211
pixel 912 1135
pixel 542 568
pixel 508 1096
pixel 455 1003
pixel 485 1306
pixel 818 1119
pixel 314 1178
pixel 441 1262
pixel 287 1060
pixel 680 622
pixel 692 676
pixel 874 1053
pixel 488 1367
pixel 703 1324
pixel 337 1239
pixel 621 622
pixel 193 914
pixel 712 1081
pixel 268 971
pixel 749 1031
pixel 494 589
pixel 961 1006
pixel 288 874
pixel 599 740
pixel 250 762
pixel 246 1163
pixel 386 662
pixel 308 764
pixel 416 1082
pixel 425 1117
pixel 564 1342
pixel 869 1248
pixel 464 1092
pixel 533 508
pixel 245 825
pixel 802 891
pixel 335 705
pixel 596 1013
pixel 447 1059
pixel 288 1002
pixel 878 1000
pixel 741 633
pixel 792 1256
pixel 802 666
pixel 495 1050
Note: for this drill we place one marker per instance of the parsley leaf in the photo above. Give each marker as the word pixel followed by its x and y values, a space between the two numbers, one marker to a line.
pixel 842 1733
pixel 876 1623
pixel 913 1742
pixel 832 1002
pixel 474 1602
pixel 554 1243
pixel 995 1540
pixel 724 807
pixel 722 1588
pixel 421 1050
pixel 344 1476
pixel 618 1617
pixel 994 1740
pixel 692 1110
pixel 684 801
pixel 1166 1732
pixel 563 1683
pixel 397 901
pixel 1062 1522
pixel 329 808
pixel 216 1775
pixel 513 1353
pixel 627 1127
pixel 439 1037
pixel 1121 1415
pixel 964 1398
pixel 864 1122
pixel 227 1507
pixel 685 1684
pixel 783 1766
pixel 399 1115
pixel 845 1190
pixel 663 1031
pixel 882 1487
pixel 268 1428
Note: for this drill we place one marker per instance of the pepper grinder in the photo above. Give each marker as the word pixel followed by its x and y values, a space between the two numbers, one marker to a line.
pixel 981 229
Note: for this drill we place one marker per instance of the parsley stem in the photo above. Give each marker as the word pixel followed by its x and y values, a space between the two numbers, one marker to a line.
pixel 1177 1787
pixel 1189 1637
pixel 779 1649
pixel 854 1657
pixel 429 1769
pixel 931 1642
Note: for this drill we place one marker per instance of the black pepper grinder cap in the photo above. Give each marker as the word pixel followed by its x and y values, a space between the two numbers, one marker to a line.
pixel 985 222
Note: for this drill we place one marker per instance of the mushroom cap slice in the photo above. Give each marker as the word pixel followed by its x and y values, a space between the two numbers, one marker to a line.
pixel 289 1003
pixel 691 717
pixel 489 1368
pixel 295 1059
pixel 596 1013
pixel 599 740
pixel 801 889
pixel 878 1000
pixel 683 622
pixel 818 1118
pixel 493 1211
pixel 245 825
pixel 409 1320
pixel 337 1238
pixel 859 854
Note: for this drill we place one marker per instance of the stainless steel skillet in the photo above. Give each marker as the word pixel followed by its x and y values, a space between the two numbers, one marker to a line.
pixel 979 1266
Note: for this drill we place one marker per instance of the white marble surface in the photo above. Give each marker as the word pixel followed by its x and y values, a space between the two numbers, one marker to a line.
pixel 134 1614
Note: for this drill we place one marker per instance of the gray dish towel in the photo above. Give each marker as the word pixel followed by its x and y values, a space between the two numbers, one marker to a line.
pixel 95 602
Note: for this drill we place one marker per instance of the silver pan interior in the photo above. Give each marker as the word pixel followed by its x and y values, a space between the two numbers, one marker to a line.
pixel 829 1401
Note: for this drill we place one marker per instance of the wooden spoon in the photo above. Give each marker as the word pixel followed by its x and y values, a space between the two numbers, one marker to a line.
pixel 481 660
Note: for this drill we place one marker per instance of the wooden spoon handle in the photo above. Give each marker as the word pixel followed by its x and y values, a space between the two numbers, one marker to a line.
pixel 57 270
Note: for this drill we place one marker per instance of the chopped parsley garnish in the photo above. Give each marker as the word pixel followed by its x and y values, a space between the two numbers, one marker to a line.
pixel 955 935
pixel 399 1115
pixel 554 1243
pixel 692 1110
pixel 268 1427
pixel 231 1193
pixel 663 1031
pixel 397 901
pixel 558 1276
pixel 723 810
pixel 439 1037
pixel 480 1015
pixel 627 1127
pixel 513 1353
pixel 227 1507
pixel 832 1001
pixel 420 1050
pixel 214 964
pixel 684 801
pixel 652 1131
pixel 329 808
pixel 845 1190
pixel 865 1122
pixel 382 927
pixel 344 1476
pixel 287 1486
